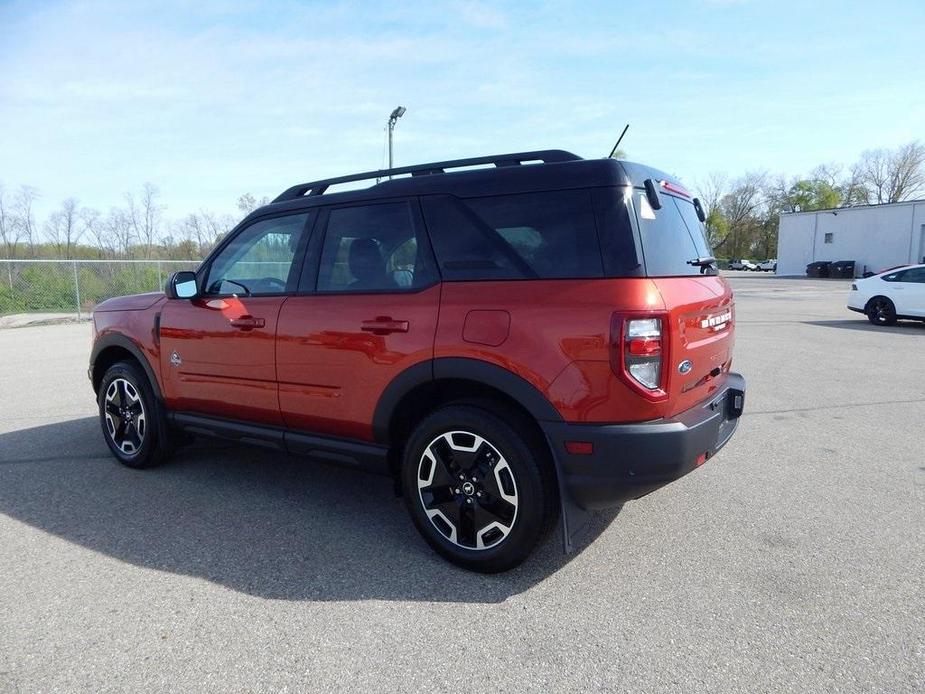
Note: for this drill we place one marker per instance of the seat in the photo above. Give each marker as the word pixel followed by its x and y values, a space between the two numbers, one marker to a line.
pixel 367 266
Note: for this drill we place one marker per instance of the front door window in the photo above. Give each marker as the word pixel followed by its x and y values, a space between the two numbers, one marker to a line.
pixel 259 260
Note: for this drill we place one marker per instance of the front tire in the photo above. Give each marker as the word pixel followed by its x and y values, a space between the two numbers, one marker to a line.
pixel 480 488
pixel 881 311
pixel 130 417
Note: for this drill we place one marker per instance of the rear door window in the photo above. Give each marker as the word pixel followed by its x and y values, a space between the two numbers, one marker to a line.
pixel 544 235
pixel 671 236
pixel 373 248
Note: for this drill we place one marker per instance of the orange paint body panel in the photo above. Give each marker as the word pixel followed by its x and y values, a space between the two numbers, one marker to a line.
pixel 223 370
pixel 332 371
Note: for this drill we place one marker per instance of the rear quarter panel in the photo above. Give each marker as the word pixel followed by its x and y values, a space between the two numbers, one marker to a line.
pixel 558 339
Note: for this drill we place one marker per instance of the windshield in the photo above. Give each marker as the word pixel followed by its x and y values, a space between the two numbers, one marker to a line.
pixel 672 237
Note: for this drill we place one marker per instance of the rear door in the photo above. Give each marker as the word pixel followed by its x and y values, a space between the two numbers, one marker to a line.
pixel 907 290
pixel 367 310
pixel 700 305
pixel 218 350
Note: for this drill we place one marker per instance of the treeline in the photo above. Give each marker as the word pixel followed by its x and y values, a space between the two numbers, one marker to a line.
pixel 137 230
pixel 742 220
pixel 743 214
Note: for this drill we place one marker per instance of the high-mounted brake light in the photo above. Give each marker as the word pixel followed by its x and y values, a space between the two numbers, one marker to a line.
pixel 675 188
pixel 639 345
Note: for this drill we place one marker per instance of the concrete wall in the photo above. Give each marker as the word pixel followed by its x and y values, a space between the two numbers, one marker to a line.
pixel 876 237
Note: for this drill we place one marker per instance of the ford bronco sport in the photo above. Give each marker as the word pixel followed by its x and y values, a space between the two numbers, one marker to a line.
pixel 512 338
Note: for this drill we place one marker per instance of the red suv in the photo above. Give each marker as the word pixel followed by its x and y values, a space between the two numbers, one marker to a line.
pixel 509 337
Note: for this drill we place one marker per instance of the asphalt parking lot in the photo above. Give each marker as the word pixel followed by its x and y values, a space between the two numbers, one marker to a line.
pixel 793 561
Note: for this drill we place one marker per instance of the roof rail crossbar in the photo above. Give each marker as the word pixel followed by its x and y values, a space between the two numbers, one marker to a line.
pixel 547 156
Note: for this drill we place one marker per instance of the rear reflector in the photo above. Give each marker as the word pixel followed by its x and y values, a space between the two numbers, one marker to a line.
pixel 579 447
pixel 701 459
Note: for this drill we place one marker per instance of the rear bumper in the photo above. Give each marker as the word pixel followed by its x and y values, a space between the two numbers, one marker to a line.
pixel 631 460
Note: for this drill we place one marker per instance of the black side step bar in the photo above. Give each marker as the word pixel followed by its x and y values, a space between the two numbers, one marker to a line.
pixel 355 454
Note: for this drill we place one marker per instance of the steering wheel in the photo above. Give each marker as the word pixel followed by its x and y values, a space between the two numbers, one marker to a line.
pixel 273 283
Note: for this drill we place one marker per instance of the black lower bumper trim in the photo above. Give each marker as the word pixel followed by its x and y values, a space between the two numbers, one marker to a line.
pixel 632 460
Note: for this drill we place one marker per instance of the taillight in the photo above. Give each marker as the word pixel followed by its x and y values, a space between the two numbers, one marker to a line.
pixel 639 345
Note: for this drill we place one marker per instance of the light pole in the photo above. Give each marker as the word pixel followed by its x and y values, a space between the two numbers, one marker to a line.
pixel 393 119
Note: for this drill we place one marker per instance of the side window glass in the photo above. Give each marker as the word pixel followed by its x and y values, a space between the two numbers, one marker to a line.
pixel 372 248
pixel 259 260
pixel 526 235
pixel 895 277
pixel 916 274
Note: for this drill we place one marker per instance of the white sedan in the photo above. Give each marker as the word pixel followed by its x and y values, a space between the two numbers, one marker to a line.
pixel 893 294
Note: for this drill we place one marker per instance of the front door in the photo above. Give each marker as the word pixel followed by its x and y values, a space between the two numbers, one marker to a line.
pixel 218 350
pixel 367 311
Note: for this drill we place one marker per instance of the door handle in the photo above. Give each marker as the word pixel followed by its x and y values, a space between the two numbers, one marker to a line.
pixel 383 325
pixel 248 323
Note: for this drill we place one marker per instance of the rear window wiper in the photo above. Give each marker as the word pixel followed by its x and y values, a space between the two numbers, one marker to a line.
pixel 702 262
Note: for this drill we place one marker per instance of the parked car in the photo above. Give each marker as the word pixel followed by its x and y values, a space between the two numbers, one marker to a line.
pixel 506 342
pixel 890 295
pixel 768 265
pixel 820 268
pixel 742 265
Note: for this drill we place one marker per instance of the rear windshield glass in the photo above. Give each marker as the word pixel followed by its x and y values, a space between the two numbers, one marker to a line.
pixel 671 237
pixel 530 235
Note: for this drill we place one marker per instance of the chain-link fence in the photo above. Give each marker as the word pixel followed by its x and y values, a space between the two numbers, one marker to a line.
pixel 77 286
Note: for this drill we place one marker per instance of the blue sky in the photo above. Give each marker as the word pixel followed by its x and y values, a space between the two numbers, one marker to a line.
pixel 211 99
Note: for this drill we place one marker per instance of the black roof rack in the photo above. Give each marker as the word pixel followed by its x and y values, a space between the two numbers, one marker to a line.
pixel 547 156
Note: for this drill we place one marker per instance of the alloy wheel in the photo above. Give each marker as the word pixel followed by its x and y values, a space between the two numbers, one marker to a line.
pixel 881 310
pixel 467 490
pixel 125 416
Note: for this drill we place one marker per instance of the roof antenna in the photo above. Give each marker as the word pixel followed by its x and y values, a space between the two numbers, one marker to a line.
pixel 619 140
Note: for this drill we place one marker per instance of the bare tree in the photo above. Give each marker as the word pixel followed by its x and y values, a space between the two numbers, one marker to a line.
pixel 25 218
pixel 853 189
pixel 63 228
pixel 10 228
pixel 94 228
pixel 893 175
pixel 216 225
pixel 119 229
pixel 907 171
pixel 247 203
pixel 145 216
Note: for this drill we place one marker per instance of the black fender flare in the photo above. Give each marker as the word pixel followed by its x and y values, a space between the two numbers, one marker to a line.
pixel 119 340
pixel 460 368
pixel 573 518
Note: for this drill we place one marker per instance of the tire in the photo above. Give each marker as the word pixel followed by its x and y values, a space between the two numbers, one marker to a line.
pixel 479 487
pixel 881 311
pixel 130 417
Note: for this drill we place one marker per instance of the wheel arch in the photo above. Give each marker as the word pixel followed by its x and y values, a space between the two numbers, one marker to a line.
pixel 425 384
pixel 115 347
pixel 874 298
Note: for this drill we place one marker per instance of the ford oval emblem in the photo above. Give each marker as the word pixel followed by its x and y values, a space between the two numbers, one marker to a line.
pixel 685 366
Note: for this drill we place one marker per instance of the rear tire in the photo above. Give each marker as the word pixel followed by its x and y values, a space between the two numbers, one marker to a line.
pixel 480 488
pixel 130 416
pixel 881 311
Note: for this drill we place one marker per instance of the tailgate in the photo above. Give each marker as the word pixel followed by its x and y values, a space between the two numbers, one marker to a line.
pixel 702 327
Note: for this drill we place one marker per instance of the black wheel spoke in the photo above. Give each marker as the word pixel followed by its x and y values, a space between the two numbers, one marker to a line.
pixel 498 508
pixel 465 529
pixel 461 493
pixel 446 457
pixel 124 411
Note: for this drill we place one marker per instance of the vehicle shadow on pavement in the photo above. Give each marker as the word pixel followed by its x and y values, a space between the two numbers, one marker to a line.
pixel 253 520
pixel 903 327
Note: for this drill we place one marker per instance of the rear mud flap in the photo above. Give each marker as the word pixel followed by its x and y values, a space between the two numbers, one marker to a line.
pixel 574 519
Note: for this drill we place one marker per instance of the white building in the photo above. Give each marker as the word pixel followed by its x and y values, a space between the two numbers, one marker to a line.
pixel 874 236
